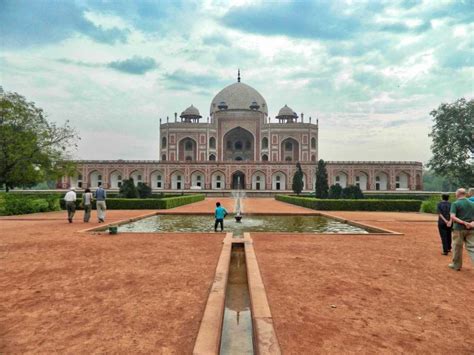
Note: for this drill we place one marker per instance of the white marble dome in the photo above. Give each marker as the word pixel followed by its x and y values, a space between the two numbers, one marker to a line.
pixel 238 96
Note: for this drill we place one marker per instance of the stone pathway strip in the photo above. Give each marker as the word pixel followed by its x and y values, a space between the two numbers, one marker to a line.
pixel 209 336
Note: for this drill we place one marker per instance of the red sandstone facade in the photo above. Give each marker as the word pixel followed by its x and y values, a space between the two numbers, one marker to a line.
pixel 238 147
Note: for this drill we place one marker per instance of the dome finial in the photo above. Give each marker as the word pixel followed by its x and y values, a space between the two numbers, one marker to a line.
pixel 238 75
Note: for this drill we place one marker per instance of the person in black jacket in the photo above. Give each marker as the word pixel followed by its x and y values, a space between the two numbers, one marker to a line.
pixel 445 223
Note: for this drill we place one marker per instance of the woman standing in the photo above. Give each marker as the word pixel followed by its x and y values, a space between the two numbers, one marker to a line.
pixel 444 223
pixel 87 204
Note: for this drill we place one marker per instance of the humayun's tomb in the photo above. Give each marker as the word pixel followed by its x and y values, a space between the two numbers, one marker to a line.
pixel 238 147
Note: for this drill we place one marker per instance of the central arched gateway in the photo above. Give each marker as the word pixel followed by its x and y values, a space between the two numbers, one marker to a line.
pixel 238 180
pixel 239 145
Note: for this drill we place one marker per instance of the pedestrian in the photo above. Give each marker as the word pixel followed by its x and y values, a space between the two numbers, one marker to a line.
pixel 470 194
pixel 462 214
pixel 87 198
pixel 70 199
pixel 100 196
pixel 445 223
pixel 219 214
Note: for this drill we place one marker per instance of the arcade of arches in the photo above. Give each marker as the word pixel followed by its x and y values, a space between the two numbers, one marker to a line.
pixel 167 176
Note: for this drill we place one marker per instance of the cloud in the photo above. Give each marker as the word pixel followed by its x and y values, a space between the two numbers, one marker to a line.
pixel 135 65
pixel 457 12
pixel 146 15
pixel 216 40
pixel 336 20
pixel 314 20
pixel 183 80
pixel 400 27
pixel 40 22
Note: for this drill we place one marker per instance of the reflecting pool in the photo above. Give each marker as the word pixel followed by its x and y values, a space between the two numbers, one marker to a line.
pixel 250 223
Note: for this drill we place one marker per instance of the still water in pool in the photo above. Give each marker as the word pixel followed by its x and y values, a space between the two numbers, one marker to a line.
pixel 254 223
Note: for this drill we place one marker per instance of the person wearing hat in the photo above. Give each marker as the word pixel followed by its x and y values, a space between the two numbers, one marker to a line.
pixel 70 199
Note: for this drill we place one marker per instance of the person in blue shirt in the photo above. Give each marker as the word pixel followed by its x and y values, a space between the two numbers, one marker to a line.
pixel 100 196
pixel 219 214
pixel 470 194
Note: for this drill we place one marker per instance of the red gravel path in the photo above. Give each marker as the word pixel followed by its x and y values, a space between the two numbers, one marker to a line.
pixel 69 292
pixel 368 294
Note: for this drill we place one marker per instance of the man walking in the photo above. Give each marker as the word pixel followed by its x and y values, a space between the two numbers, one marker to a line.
pixel 220 214
pixel 70 199
pixel 462 213
pixel 100 196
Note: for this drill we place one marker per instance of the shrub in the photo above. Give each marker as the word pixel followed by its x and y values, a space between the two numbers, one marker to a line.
pixel 431 205
pixel 352 192
pixel 352 205
pixel 335 191
pixel 144 191
pixel 128 189
pixel 14 204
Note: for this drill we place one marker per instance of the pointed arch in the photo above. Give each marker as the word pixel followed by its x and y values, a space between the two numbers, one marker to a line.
pixel 279 180
pixel 115 179
pixel 258 180
pixel 157 179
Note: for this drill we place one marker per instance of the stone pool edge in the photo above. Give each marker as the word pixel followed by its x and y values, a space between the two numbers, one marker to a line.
pixel 376 230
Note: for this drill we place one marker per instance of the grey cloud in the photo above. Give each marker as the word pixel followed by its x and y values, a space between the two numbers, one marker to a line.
pixel 214 40
pixel 183 80
pixel 135 65
pixel 40 22
pixel 400 27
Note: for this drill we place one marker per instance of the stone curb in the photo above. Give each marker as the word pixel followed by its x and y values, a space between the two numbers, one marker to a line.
pixel 265 338
pixel 208 340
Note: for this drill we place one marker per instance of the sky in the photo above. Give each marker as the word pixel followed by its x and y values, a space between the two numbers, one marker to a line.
pixel 369 71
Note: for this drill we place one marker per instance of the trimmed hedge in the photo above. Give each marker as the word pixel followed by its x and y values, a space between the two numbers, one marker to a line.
pixel 407 196
pixel 352 205
pixel 145 203
pixel 14 204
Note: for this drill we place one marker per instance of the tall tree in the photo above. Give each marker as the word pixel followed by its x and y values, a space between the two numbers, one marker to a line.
pixel 322 186
pixel 435 182
pixel 32 149
pixel 453 142
pixel 297 184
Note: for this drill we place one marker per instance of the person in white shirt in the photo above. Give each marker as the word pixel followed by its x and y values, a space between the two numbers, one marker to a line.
pixel 70 199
